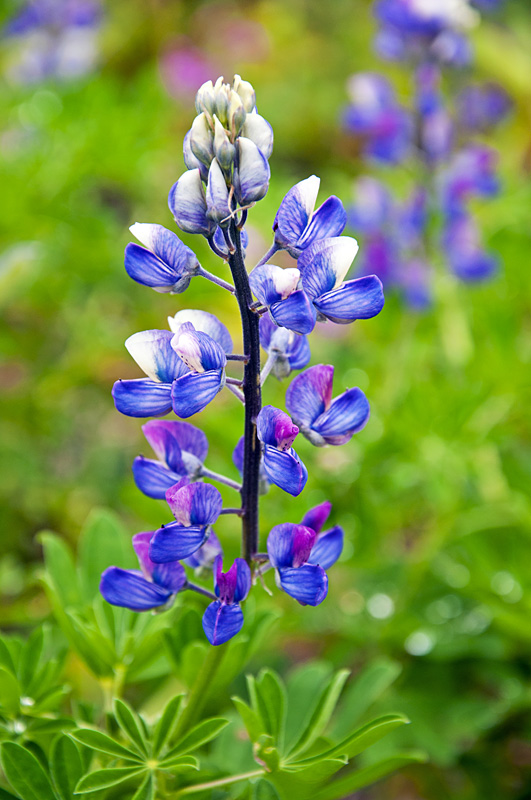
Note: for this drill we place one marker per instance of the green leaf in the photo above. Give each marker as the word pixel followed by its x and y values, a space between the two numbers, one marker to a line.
pixel 31 655
pixel 263 790
pixel 100 741
pixel 130 724
pixel 103 778
pixel 304 685
pixel 322 712
pixel 25 774
pixel 179 763
pixel 250 718
pixel 271 697
pixel 361 739
pixel 102 541
pixel 199 735
pixel 358 779
pixel 9 691
pixel 192 658
pixel 147 790
pixel 7 795
pixel 66 766
pixel 166 724
pixel 6 659
pixel 368 686
pixel 60 567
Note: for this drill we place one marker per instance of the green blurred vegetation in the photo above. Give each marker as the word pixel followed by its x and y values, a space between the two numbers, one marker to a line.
pixel 433 494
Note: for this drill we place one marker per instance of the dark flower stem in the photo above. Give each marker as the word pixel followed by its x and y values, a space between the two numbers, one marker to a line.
pixel 253 399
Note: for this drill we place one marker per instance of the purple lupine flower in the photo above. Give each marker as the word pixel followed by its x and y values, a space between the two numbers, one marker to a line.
pixel 281 463
pixel 466 256
pixel 153 587
pixel 436 127
pixel 481 106
pixel 206 323
pixel 385 127
pixel 289 548
pixel 297 225
pixel 237 458
pixel 218 241
pixel 187 203
pixel 372 209
pixel 206 360
pixel 470 173
pixel 322 267
pixel 223 618
pixel 203 559
pixel 286 350
pixel 181 449
pixel 195 507
pixel 328 544
pixel 321 419
pixel 164 263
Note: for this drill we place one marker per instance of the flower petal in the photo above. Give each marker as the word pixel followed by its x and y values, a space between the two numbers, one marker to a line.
pixel 204 322
pixel 194 503
pixel 174 542
pixel 274 427
pixel 194 391
pixel 170 576
pixel 153 353
pixel 188 204
pixel 207 553
pixel 361 298
pixel 234 585
pixel 310 394
pixel 166 245
pixel 295 211
pixel 325 263
pixel 259 131
pixel 328 548
pixel 271 284
pixel 145 268
pixel 237 454
pixel 296 313
pixel 129 589
pixel 176 443
pixel 142 397
pixel 152 477
pixel 221 622
pixel 217 195
pixel 329 220
pixel 316 517
pixel 308 584
pixel 251 178
pixel 347 415
pixel 290 545
pixel 285 469
pixel 198 350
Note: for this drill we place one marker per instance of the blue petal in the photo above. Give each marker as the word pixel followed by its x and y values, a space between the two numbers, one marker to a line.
pixel 207 553
pixel 358 299
pixel 243 580
pixel 316 517
pixel 194 391
pixel 285 469
pixel 290 545
pixel 171 576
pixel 251 178
pixel 221 244
pixel 295 211
pixel 329 220
pixel 271 284
pixel 325 263
pixel 154 354
pixel 204 322
pixel 198 350
pixel 274 427
pixel 296 313
pixel 142 397
pixel 308 584
pixel 152 477
pixel 298 352
pixel 145 268
pixel 310 393
pixel 129 589
pixel 163 438
pixel 173 542
pixel 167 247
pixel 188 204
pixel 327 548
pixel 217 195
pixel 221 622
pixel 347 415
pixel 194 503
pixel 237 454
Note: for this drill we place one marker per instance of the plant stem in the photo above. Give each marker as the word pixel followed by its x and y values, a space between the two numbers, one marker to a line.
pixel 215 476
pixel 253 400
pixel 199 692
pixel 214 279
pixel 201 787
pixel 199 589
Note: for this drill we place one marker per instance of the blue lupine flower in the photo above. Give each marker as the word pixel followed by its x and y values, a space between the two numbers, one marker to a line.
pixel 223 618
pixel 206 323
pixel 218 241
pixel 289 548
pixel 181 449
pixel 436 127
pixel 252 173
pixel 470 173
pixel 204 558
pixel 286 350
pixel 206 360
pixel 481 106
pixel 297 225
pixel 328 544
pixel 321 419
pixel 164 263
pixel 466 256
pixel 282 465
pixel 153 587
pixel 187 202
pixel 385 128
pixel 237 457
pixel 195 507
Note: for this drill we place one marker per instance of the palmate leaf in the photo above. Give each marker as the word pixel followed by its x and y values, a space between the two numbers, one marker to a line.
pixel 369 685
pixel 199 735
pixel 97 740
pixel 179 763
pixel 9 691
pixel 251 720
pixel 166 725
pixel 146 791
pixel 322 713
pixel 104 778
pixel 25 773
pixel 130 724
pixel 66 766
pixel 270 696
pixel 103 541
pixel 358 779
pixel 5 795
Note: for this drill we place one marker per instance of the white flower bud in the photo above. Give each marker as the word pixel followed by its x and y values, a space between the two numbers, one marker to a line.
pixel 223 148
pixel 259 131
pixel 246 92
pixel 202 139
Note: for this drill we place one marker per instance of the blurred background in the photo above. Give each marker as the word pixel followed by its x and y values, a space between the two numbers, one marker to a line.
pixel 433 495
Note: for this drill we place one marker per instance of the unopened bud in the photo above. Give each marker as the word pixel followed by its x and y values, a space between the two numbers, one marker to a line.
pixel 217 195
pixel 259 131
pixel 236 115
pixel 251 179
pixel 202 139
pixel 204 99
pixel 187 203
pixel 191 161
pixel 246 92
pixel 223 148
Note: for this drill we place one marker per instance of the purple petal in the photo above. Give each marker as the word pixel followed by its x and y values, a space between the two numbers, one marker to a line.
pixel 275 428
pixel 296 313
pixel 142 397
pixel 145 268
pixel 221 622
pixel 153 478
pixel 174 442
pixel 308 584
pixel 194 503
pixel 325 263
pixel 316 517
pixel 194 391
pixel 347 415
pixel 170 576
pixel 207 553
pixel 289 349
pixel 295 211
pixel 204 322
pixel 174 542
pixel 234 585
pixel 290 545
pixel 310 393
pixel 129 589
pixel 328 548
pixel 358 299
pixel 285 469
pixel 329 220
pixel 271 284
pixel 167 247
pixel 237 455
pixel 141 547
pixel 198 350
pixel 153 353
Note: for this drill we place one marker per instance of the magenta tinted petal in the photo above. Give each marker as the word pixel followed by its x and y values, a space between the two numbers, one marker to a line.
pixel 316 517
pixel 308 584
pixel 347 415
pixel 358 299
pixel 170 439
pixel 142 397
pixel 289 545
pixel 285 469
pixel 328 548
pixel 174 542
pixel 141 547
pixel 152 477
pixel 195 503
pixel 193 392
pixel 221 622
pixel 310 393
pixel 274 427
pixel 129 589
